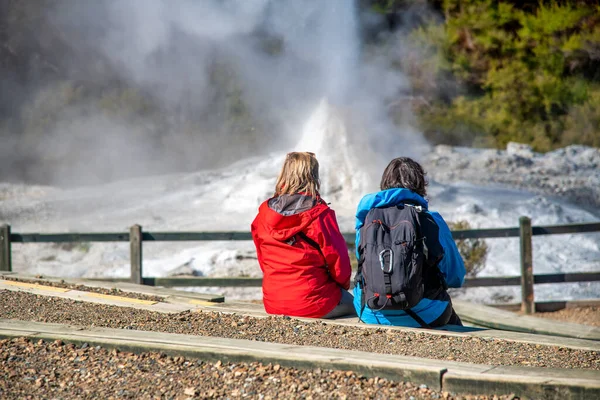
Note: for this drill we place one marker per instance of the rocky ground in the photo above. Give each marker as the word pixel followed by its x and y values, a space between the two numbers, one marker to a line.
pixel 571 173
pixel 63 371
pixel 25 306
pixel 578 315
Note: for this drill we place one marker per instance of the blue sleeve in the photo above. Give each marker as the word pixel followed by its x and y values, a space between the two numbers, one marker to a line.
pixel 452 265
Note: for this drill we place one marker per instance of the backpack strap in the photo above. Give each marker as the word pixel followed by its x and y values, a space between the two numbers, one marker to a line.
pixel 442 285
pixel 419 229
pixel 419 320
pixel 314 244
pixel 359 280
pixel 360 261
pixel 387 271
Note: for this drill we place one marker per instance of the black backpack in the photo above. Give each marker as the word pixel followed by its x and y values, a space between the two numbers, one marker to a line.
pixel 391 259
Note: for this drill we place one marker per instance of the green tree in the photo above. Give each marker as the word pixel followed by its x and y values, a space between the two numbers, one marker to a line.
pixel 525 71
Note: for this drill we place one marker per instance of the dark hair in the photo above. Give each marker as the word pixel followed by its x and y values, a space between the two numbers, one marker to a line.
pixel 404 172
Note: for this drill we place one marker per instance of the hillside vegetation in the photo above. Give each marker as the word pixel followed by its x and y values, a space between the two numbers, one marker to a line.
pixel 491 72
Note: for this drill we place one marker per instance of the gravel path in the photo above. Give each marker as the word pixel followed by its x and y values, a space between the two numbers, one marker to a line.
pixel 65 285
pixel 57 370
pixel 25 306
pixel 579 315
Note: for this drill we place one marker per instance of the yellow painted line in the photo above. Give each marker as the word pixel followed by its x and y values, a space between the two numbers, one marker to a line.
pixel 202 302
pixel 120 298
pixel 35 286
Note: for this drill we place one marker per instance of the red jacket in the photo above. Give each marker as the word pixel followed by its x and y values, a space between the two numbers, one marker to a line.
pixel 296 281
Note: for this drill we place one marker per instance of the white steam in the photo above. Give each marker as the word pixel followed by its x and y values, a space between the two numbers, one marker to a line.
pixel 345 179
pixel 231 79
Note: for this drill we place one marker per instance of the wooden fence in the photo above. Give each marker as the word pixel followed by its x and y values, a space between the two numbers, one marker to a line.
pixel 136 237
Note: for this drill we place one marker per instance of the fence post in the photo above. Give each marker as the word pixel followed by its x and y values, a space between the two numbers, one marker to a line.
pixel 135 246
pixel 5 255
pixel 527 300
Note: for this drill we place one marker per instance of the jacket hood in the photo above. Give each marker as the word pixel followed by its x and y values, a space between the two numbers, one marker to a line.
pixel 386 198
pixel 290 204
pixel 286 215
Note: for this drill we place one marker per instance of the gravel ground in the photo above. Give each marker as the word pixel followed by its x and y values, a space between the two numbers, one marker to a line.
pixel 25 306
pixel 580 315
pixel 57 370
pixel 64 285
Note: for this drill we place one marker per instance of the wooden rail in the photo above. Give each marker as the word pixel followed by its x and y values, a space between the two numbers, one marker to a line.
pixel 187 281
pixel 137 236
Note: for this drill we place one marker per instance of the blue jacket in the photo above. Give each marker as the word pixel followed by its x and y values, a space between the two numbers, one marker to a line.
pixel 451 265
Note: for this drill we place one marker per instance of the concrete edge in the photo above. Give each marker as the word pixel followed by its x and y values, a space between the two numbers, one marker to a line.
pixel 495 318
pixel 450 376
pixel 236 350
pixel 526 387
pixel 166 293
pixel 482 333
pixel 95 298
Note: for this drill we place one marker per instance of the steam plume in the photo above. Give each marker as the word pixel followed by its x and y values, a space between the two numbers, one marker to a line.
pixel 197 84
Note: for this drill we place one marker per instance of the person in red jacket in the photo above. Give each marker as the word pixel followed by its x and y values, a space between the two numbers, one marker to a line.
pixel 302 254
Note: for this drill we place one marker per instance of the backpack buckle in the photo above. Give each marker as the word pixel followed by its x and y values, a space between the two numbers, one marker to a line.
pixel 382 260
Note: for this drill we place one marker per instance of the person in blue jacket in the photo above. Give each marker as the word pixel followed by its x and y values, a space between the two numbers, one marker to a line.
pixel 403 182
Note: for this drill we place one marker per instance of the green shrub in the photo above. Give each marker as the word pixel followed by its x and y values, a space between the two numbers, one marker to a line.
pixel 473 251
pixel 525 73
pixel 582 124
pixel 83 247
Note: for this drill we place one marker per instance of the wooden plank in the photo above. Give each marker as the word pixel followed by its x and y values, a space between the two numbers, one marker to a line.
pixel 68 237
pixel 191 236
pixel 527 300
pixel 485 233
pixel 257 282
pixel 124 237
pixel 124 284
pixel 26 285
pixel 120 298
pixel 567 277
pixel 490 317
pixel 107 279
pixel 536 230
pixel 5 248
pixel 492 281
pixel 567 228
pixel 135 246
pixel 202 281
pixel 537 279
pixel 522 383
pixel 239 235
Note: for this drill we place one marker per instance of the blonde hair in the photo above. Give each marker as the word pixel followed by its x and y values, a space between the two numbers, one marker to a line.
pixel 299 174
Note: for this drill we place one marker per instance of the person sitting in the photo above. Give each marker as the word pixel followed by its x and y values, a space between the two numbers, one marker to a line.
pixel 300 249
pixel 400 243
